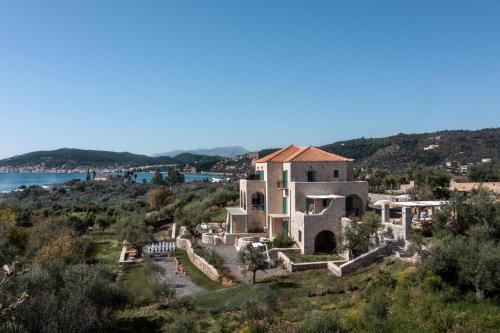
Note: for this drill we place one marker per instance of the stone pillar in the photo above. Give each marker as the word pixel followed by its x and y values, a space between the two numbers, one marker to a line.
pixel 174 230
pixel 344 223
pixel 385 213
pixel 406 218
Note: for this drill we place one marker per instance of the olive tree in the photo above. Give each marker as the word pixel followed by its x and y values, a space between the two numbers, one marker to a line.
pixel 357 235
pixel 253 260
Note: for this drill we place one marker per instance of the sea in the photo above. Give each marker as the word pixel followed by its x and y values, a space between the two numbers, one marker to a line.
pixel 12 181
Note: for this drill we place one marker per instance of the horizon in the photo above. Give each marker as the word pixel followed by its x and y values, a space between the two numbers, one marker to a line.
pixel 158 77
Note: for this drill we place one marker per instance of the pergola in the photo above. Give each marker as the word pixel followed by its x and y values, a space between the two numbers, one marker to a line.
pixel 417 208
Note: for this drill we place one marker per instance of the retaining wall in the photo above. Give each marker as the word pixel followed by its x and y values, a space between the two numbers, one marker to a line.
pixel 361 261
pixel 229 239
pixel 273 253
pixel 200 263
pixel 303 266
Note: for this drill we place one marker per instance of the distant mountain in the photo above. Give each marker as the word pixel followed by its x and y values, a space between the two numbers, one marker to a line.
pixel 435 148
pixel 219 151
pixel 190 158
pixel 72 158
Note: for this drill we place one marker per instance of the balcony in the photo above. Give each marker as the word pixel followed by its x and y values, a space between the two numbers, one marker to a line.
pixel 282 184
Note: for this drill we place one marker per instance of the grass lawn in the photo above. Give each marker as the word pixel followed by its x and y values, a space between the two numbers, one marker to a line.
pixel 299 258
pixel 137 285
pixel 195 274
pixel 232 298
pixel 106 249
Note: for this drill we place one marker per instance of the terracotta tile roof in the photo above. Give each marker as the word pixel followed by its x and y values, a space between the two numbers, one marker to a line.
pixel 301 154
pixel 280 155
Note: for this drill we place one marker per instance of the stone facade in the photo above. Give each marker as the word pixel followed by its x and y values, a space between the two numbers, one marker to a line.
pixel 304 198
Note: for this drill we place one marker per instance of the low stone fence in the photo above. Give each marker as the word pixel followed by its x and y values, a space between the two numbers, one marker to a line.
pixel 200 263
pixel 361 261
pixel 229 239
pixel 182 243
pixel 274 252
pixel 208 238
pixel 303 266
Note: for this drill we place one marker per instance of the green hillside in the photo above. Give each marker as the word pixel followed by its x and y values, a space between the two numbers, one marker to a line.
pixel 71 158
pixel 427 148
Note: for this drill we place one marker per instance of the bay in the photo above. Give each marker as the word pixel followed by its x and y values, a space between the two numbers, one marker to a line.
pixel 12 181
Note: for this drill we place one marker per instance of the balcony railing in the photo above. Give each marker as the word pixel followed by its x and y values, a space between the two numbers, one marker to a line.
pixel 282 184
pixel 259 207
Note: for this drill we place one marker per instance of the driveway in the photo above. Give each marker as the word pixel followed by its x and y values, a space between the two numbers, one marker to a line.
pixel 230 256
pixel 182 284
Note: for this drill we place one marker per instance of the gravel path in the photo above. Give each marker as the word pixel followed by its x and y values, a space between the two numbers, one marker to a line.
pixel 182 284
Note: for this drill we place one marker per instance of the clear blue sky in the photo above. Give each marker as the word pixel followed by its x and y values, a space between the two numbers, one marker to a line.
pixel 153 76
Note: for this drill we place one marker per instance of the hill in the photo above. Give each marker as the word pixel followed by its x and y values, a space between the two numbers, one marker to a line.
pixel 230 151
pixel 435 148
pixel 398 151
pixel 67 158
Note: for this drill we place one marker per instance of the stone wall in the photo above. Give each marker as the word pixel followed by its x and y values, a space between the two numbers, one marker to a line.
pixel 273 253
pixel 361 261
pixel 182 243
pixel 200 263
pixel 303 266
pixel 229 239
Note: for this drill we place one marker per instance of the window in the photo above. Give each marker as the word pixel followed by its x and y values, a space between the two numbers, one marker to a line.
pixel 259 174
pixel 284 176
pixel 285 205
pixel 335 173
pixel 300 236
pixel 258 201
pixel 309 205
pixel 311 176
pixel 325 202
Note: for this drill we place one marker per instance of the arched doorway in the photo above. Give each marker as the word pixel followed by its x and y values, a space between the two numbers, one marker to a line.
pixel 353 205
pixel 324 242
pixel 258 201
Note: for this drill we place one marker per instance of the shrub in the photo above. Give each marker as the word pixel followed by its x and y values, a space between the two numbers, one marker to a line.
pixel 322 323
pixel 161 291
pixel 160 197
pixel 209 255
pixel 377 306
pixel 432 282
pixel 183 323
pixel 357 234
pixel 182 303
pixel 253 327
pixel 283 240
pixel 65 249
pixel 76 298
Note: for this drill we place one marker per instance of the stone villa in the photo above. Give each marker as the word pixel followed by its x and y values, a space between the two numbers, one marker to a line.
pixel 302 192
